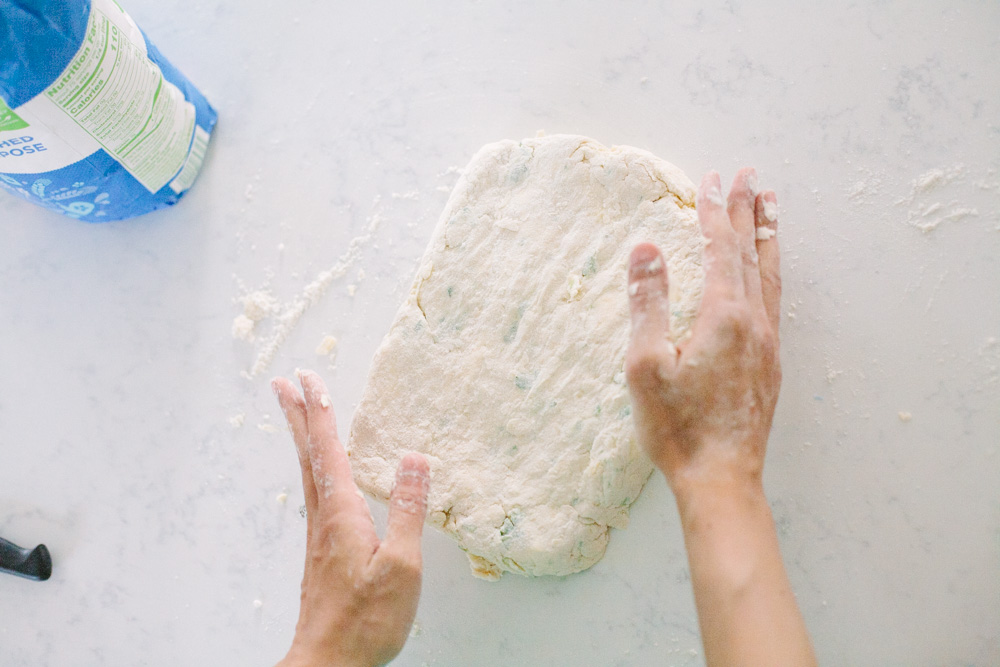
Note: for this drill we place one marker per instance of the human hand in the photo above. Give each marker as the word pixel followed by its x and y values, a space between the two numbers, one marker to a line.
pixel 703 408
pixel 359 594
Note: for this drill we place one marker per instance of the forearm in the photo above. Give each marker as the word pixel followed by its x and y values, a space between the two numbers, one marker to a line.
pixel 747 611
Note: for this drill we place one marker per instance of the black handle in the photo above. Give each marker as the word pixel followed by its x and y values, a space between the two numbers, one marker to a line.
pixel 29 563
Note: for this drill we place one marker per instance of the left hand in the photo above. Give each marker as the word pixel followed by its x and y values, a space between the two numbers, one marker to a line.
pixel 359 593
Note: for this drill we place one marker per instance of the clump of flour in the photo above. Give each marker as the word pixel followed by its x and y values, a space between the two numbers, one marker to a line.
pixel 257 306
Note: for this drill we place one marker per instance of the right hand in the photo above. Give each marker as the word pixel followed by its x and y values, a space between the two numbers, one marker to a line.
pixel 703 408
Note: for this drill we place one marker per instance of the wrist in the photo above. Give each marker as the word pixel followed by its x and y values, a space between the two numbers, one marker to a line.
pixel 714 468
pixel 301 657
pixel 717 494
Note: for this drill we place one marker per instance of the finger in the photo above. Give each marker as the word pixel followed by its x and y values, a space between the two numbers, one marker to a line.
pixel 766 218
pixel 408 506
pixel 331 470
pixel 723 277
pixel 742 201
pixel 294 409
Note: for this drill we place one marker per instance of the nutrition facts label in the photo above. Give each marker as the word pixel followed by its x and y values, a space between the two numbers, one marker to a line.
pixel 119 97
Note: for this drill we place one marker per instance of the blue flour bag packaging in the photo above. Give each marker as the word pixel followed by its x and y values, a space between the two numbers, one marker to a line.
pixel 94 122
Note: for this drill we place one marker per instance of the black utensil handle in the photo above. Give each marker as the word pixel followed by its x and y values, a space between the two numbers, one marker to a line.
pixel 29 563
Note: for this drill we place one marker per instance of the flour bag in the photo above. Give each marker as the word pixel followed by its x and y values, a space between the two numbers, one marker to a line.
pixel 94 122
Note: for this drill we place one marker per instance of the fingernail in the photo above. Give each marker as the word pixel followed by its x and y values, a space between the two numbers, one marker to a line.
pixel 411 475
pixel 648 268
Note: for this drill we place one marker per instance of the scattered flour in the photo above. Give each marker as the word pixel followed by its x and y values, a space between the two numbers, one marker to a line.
pixel 905 416
pixel 288 316
pixel 925 211
pixel 936 213
pixel 866 188
pixel 236 421
pixel 268 428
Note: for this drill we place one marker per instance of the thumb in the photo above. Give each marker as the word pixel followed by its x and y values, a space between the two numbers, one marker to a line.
pixel 649 348
pixel 408 504
pixel 648 302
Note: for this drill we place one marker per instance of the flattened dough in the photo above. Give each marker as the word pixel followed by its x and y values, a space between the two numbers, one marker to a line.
pixel 504 366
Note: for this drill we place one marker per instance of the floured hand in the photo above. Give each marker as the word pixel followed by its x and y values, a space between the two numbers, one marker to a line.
pixel 704 407
pixel 359 593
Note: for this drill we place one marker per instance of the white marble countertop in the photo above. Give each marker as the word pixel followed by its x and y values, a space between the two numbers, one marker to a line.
pixel 120 375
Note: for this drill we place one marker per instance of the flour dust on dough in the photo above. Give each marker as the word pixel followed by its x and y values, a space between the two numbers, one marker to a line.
pixel 505 364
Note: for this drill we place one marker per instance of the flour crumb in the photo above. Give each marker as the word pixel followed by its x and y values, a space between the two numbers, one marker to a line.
pixel 259 305
pixel 443 188
pixel 765 233
pixel 352 289
pixel 243 328
pixel 236 421
pixel 324 400
pixel 574 283
pixel 905 416
pixel 268 428
pixel 770 211
pixel 415 629
pixel 412 195
pixel 326 346
pixel 257 604
pixel 281 498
